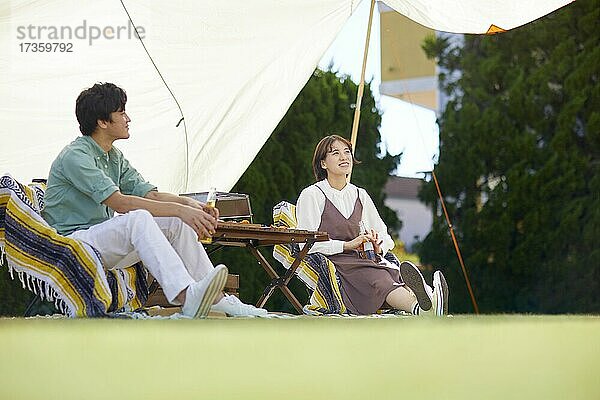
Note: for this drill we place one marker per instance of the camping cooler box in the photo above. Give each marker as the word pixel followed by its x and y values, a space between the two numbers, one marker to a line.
pixel 232 206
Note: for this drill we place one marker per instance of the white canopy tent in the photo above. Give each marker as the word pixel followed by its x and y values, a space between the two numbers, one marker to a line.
pixel 230 69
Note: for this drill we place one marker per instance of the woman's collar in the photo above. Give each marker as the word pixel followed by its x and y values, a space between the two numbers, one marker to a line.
pixel 326 185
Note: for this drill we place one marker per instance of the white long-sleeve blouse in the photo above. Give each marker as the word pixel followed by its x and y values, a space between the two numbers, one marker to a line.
pixel 311 204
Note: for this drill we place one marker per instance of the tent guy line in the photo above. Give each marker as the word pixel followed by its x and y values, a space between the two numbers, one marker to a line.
pixel 185 132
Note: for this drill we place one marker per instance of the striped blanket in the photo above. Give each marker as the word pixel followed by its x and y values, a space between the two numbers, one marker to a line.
pixel 57 268
pixel 316 271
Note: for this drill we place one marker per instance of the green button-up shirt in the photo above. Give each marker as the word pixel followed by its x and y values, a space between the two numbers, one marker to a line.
pixel 81 178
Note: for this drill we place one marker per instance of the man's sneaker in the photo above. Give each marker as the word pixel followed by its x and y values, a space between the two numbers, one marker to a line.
pixel 200 295
pixel 233 307
pixel 440 290
pixel 414 280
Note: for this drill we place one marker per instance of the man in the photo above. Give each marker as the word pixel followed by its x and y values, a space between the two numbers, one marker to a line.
pixel 90 180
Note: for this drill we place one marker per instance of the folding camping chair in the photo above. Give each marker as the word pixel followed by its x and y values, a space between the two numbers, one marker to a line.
pixel 57 268
pixel 316 271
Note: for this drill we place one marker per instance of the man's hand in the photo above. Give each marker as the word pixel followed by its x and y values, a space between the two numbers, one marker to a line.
pixel 202 222
pixel 214 211
pixel 201 206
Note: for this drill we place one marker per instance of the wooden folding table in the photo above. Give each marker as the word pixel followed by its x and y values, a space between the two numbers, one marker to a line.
pixel 253 236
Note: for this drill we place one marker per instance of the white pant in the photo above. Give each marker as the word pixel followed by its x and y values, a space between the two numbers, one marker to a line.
pixel 167 246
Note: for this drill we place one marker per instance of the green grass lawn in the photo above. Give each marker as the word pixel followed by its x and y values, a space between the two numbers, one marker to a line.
pixel 465 357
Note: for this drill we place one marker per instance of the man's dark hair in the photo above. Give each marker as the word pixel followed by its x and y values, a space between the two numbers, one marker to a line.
pixel 96 103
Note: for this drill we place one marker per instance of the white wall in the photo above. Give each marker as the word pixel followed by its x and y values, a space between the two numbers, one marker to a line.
pixel 416 219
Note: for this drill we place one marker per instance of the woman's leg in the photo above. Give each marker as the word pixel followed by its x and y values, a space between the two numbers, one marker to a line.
pixel 402 299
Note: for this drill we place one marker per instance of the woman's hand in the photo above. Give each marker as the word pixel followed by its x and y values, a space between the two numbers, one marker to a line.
pixel 357 241
pixel 376 241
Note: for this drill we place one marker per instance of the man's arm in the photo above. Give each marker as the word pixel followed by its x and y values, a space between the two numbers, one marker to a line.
pixel 173 198
pixel 188 201
pixel 202 222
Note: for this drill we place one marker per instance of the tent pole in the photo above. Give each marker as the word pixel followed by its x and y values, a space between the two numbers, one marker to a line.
pixel 455 242
pixel 361 85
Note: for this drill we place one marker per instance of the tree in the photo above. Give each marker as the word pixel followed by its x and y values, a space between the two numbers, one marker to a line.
pixel 283 166
pixel 13 298
pixel 519 165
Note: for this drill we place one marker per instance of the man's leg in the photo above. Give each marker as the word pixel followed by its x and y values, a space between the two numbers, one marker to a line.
pixel 184 241
pixel 136 236
pixel 128 238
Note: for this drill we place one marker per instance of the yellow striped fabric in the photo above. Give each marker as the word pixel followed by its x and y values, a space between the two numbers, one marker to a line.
pixel 58 268
pixel 316 271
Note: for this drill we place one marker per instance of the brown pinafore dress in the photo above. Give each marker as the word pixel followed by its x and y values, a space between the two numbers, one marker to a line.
pixel 364 283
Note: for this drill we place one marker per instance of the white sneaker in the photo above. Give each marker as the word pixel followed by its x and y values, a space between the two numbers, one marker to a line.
pixel 234 307
pixel 439 296
pixel 413 279
pixel 200 295
pixel 440 289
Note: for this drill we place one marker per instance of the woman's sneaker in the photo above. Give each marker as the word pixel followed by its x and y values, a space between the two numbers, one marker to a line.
pixel 440 290
pixel 413 279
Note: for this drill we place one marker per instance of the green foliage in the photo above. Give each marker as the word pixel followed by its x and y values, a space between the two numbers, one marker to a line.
pixel 519 165
pixel 400 252
pixel 13 298
pixel 283 167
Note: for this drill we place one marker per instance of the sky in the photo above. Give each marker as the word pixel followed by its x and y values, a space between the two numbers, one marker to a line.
pixel 405 128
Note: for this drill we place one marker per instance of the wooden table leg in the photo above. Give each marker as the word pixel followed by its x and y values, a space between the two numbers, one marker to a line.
pixel 276 281
pixel 280 282
pixel 289 274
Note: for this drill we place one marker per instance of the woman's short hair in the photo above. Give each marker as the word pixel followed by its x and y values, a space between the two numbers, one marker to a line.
pixel 96 103
pixel 324 147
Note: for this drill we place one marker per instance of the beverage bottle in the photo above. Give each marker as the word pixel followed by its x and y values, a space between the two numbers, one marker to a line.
pixel 366 246
pixel 211 201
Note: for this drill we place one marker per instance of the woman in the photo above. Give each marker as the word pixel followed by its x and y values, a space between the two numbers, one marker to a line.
pixel 349 215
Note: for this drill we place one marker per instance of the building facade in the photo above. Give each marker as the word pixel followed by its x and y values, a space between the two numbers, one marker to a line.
pixel 402 197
